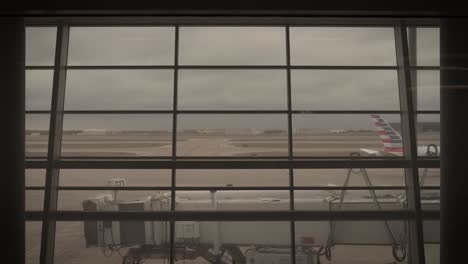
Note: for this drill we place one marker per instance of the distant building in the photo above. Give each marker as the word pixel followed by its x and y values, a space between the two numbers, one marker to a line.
pixel 37 132
pixel 93 132
pixel 338 131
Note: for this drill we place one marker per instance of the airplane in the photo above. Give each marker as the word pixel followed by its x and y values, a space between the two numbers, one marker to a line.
pixel 393 142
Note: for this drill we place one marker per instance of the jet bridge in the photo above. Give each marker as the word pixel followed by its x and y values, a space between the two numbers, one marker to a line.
pixel 249 242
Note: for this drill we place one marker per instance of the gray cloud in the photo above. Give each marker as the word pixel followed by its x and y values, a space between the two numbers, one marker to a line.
pixel 40 45
pixel 39 89
pixel 119 122
pixel 342 46
pixel 232 89
pixel 227 89
pixel 121 46
pixel 428 46
pixel 428 83
pixel 119 89
pixel 345 90
pixel 232 46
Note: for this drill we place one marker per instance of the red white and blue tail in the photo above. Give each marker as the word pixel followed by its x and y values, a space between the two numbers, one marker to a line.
pixel 392 141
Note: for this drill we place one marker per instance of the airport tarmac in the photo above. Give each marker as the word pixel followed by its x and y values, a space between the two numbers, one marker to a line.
pixel 70 243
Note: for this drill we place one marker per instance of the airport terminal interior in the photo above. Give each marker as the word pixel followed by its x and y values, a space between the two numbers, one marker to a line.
pixel 232 141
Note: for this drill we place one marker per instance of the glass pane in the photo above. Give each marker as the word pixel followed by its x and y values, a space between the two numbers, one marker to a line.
pixel 343 134
pixel 429 177
pixel 336 177
pixel 251 200
pixel 117 135
pixel 359 200
pixel 241 177
pixel 431 229
pixel 353 242
pixel 239 242
pixel 33 241
pixel 428 134
pixel 232 90
pixel 34 200
pixel 119 89
pixel 37 134
pixel 430 199
pixel 432 253
pixel 432 240
pixel 105 177
pixel 342 46
pixel 104 200
pixel 40 46
pixel 35 177
pixel 76 242
pixel 428 46
pixel 121 46
pixel 428 94
pixel 232 46
pixel 344 90
pixel 39 89
pixel 232 135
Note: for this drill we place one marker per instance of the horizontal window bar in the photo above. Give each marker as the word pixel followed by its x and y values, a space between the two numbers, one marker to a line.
pixel 437 187
pixel 80 112
pixel 431 68
pixel 233 216
pixel 231 158
pixel 36 164
pixel 270 18
pixel 231 164
pixel 179 112
pixel 119 67
pixel 293 67
pixel 221 188
pixel 238 164
pixel 232 111
pixel 229 67
pixel 247 111
pixel 37 112
pixel 430 214
pixel 345 111
pixel 39 67
pixel 34 188
pixel 428 163
pixel 299 158
pixel 219 215
pixel 233 67
pixel 156 158
pixel 428 112
pixel 341 67
pixel 285 112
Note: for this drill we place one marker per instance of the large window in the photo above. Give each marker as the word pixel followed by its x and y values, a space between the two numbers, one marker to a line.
pixel 242 143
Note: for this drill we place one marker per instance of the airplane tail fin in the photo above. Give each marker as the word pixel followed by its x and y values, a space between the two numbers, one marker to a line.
pixel 392 141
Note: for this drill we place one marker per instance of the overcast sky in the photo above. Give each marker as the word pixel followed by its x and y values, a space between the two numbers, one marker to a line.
pixel 226 89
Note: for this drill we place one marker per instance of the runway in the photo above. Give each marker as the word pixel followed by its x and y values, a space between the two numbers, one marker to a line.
pixel 70 244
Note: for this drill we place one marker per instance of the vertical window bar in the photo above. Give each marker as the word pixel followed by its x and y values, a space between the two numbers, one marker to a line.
pixel 174 141
pixel 290 144
pixel 413 60
pixel 55 140
pixel 415 235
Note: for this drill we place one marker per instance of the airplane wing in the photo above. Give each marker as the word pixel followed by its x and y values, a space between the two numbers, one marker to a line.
pixel 370 152
pixel 379 153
